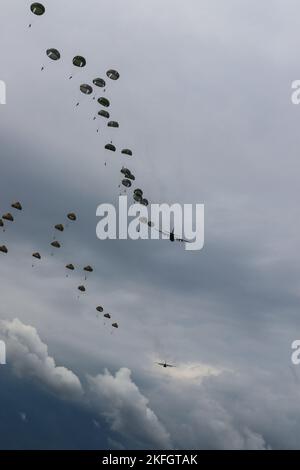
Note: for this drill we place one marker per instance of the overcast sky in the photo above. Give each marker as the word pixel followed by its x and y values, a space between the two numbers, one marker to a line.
pixel 203 100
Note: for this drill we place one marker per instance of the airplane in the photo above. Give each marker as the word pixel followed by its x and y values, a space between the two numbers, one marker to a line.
pixel 164 364
pixel 172 236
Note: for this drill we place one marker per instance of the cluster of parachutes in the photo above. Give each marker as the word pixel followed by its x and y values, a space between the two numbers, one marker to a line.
pixel 90 90
pixel 8 217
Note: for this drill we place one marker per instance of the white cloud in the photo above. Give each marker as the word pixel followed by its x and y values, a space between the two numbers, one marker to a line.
pixel 127 410
pixel 29 357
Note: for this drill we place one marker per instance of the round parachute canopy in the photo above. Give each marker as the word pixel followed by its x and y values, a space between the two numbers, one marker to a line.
pixel 103 113
pixel 59 227
pixel 36 255
pixel 115 325
pixel 86 89
pixel 89 269
pixel 3 249
pixel 112 124
pixel 1 223
pixel 137 197
pixel 110 147
pixel 138 192
pixel 99 82
pixel 99 309
pixel 104 102
pixel 145 202
pixel 125 171
pixel 8 216
pixel 127 152
pixel 72 216
pixel 56 244
pixel 81 288
pixel 113 74
pixel 126 183
pixel 131 177
pixel 53 54
pixel 17 205
pixel 37 9
pixel 79 61
pixel 70 267
pixel 107 315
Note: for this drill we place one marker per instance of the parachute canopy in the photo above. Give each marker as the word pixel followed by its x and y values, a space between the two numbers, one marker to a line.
pixel 79 61
pixel 107 315
pixel 127 152
pixel 37 9
pixel 104 102
pixel 36 255
pixel 86 89
pixel 8 216
pixel 99 82
pixel 99 309
pixel 72 216
pixel 88 268
pixel 115 325
pixel 113 74
pixel 138 192
pixel 53 54
pixel 145 202
pixel 126 183
pixel 70 267
pixel 81 288
pixel 103 113
pixel 112 124
pixel 59 227
pixel 17 205
pixel 110 147
pixel 3 249
pixel 56 244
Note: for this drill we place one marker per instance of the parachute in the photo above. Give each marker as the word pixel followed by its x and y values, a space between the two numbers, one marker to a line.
pixel 36 255
pixel 3 249
pixel 17 206
pixel 59 227
pixel 145 202
pixel 53 54
pixel 72 216
pixel 115 325
pixel 113 74
pixel 78 61
pixel 110 147
pixel 107 315
pixel 138 192
pixel 103 113
pixel 8 216
pixel 86 89
pixel 99 82
pixel 89 269
pixel 81 288
pixel 37 9
pixel 113 124
pixel 126 183
pixel 56 244
pixel 127 152
pixel 104 102
pixel 99 309
pixel 70 267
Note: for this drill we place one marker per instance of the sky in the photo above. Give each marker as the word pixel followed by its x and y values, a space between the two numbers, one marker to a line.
pixel 204 102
